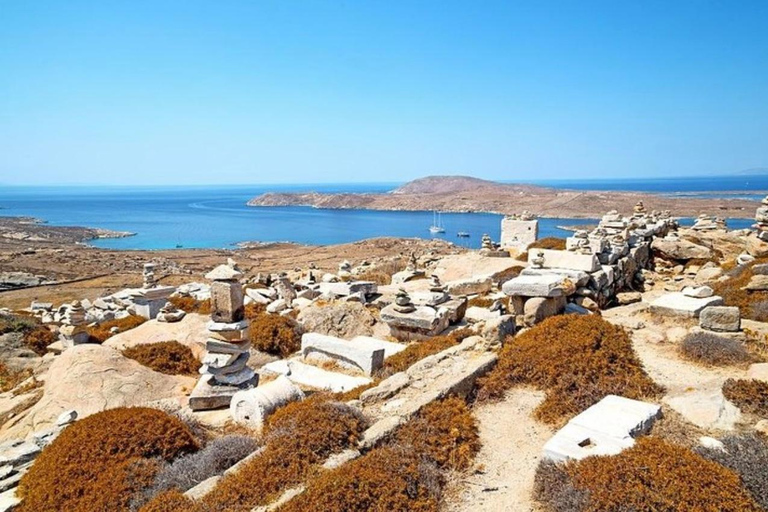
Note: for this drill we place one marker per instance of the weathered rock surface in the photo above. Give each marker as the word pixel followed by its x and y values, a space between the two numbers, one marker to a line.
pixel 679 304
pixel 705 408
pixel 190 331
pixel 90 379
pixel 720 318
pixel 680 249
pixel 342 319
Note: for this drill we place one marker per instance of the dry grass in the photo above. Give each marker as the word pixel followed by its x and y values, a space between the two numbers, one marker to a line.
pixel 554 243
pixel 101 461
pixel 275 334
pixel 406 474
pixel 748 302
pixel 377 276
pixel 169 357
pixel 480 301
pixel 577 360
pixel 101 332
pixel 191 305
pixel 751 396
pixel 35 335
pixel 9 378
pixel 169 501
pixel 652 475
pixel 298 437
pixel 711 349
pixel 414 353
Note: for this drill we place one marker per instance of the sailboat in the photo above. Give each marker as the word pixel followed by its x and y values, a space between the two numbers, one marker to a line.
pixel 437 224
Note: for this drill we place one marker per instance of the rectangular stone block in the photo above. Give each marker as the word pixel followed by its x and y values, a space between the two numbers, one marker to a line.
pixel 678 304
pixel 362 355
pixel 545 285
pixel 566 259
pixel 227 301
pixel 720 318
pixel 518 234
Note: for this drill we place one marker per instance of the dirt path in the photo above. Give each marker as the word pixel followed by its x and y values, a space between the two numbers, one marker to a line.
pixel 511 445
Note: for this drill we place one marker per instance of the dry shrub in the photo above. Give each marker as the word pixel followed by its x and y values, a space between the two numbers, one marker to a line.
pixel 297 438
pixel 254 309
pixel 480 302
pixel 101 332
pixel 553 487
pixel 655 475
pixel 759 311
pixel 750 396
pixel 732 293
pixel 551 242
pixel 169 357
pixel 708 348
pixel 354 394
pixel 17 323
pixel 169 501
pixel 747 455
pixel 377 276
pixel 406 473
pixel 414 353
pixel 444 432
pixel 34 335
pixel 512 272
pixel 577 360
pixel 192 305
pixel 10 378
pixel 38 339
pixel 99 462
pixel 275 334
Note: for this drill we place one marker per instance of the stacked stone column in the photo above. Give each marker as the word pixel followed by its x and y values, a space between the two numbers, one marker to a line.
pixel 73 330
pixel 761 220
pixel 224 370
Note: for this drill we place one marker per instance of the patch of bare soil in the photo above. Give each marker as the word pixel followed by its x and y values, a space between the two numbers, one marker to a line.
pixel 502 477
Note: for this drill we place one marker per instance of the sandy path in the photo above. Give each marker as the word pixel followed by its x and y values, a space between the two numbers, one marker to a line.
pixel 511 445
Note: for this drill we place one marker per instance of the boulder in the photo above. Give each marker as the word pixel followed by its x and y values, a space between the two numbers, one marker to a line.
pixel 680 249
pixel 756 247
pixel 678 304
pixel 545 285
pixel 92 378
pixel 709 274
pixel 626 298
pixel 700 292
pixel 477 285
pixel 720 318
pixel 537 309
pixel 707 408
pixel 566 259
pixel 360 355
pixel 758 371
pixel 757 283
pixel 312 376
pixel 340 319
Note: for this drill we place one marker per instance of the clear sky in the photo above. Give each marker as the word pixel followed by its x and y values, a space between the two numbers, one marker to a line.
pixel 217 91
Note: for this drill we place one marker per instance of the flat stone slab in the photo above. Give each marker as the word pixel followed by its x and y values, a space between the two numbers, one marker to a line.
pixel 206 396
pixel 390 347
pixel 577 277
pixel 606 428
pixel 566 259
pixel 545 285
pixel 720 318
pixel 423 319
pixel 311 376
pixel 362 356
pixel 679 304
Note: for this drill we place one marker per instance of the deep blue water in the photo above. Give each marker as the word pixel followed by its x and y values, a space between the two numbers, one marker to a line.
pixel 204 217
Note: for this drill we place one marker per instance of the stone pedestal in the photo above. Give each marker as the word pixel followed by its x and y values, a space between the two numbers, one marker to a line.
pixel 517 233
pixel 147 302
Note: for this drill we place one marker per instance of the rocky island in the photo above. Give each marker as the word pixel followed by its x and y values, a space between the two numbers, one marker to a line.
pixel 468 194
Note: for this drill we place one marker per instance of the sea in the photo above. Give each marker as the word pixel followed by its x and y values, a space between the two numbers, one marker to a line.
pixel 217 216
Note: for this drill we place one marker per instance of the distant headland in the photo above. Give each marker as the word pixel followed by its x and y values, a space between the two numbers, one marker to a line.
pixel 469 194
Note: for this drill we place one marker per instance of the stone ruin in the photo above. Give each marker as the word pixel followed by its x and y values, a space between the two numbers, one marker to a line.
pixel 761 220
pixel 150 298
pixel 706 222
pixel 410 273
pixel 430 314
pixel 73 329
pixel 519 231
pixel 225 370
pixel 490 249
pixel 594 267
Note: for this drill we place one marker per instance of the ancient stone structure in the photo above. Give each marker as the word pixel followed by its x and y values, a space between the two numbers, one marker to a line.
pixel 252 406
pixel 170 313
pixel 428 316
pixel 490 249
pixel 148 300
pixel 73 328
pixel 224 371
pixel 519 231
pixel 761 220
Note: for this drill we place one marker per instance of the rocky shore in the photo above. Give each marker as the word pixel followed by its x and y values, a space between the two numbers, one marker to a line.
pixel 465 194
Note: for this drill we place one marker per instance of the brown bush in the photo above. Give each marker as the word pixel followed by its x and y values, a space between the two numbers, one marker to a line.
pixel 192 305
pixel 34 335
pixel 38 339
pixel 169 501
pixel 9 378
pixel 354 394
pixel 275 334
pixel 297 438
pixel 750 396
pixel 377 276
pixel 254 309
pixel 732 292
pixel 709 348
pixel 512 272
pixel 444 432
pixel 551 242
pixel 403 475
pixel 747 455
pixel 413 353
pixel 480 302
pixel 99 462
pixel 655 475
pixel 101 332
pixel 577 360
pixel 169 357
pixel 553 487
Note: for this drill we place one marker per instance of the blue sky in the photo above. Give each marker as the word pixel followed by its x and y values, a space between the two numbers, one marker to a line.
pixel 190 92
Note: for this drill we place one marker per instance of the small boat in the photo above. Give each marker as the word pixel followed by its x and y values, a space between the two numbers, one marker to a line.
pixel 437 224
pixel 462 234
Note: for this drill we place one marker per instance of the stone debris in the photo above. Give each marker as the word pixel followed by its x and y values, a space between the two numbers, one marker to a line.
pixel 407 321
pixel 720 318
pixel 679 304
pixel 170 313
pixel 313 377
pixel 607 428
pixel 362 356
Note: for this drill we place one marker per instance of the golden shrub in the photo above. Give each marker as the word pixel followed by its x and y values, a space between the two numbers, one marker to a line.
pixel 192 305
pixel 550 242
pixel 275 334
pixel 750 396
pixel 101 333
pixel 169 501
pixel 100 461
pixel 169 357
pixel 577 360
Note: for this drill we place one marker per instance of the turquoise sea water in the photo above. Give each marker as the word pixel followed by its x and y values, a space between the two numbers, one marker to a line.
pixel 217 217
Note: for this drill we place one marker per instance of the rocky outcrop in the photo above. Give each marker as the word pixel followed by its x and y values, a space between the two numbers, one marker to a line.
pixel 680 249
pixel 341 319
pixel 90 379
pixel 190 331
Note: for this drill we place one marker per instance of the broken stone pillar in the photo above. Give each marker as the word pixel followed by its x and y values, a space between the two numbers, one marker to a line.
pixel 73 330
pixel 225 370
pixel 251 407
